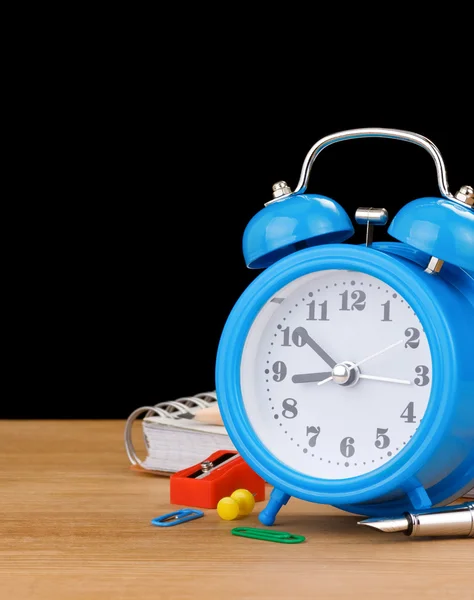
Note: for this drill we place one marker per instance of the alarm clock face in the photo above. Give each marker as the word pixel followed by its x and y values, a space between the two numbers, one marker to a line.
pixel 336 374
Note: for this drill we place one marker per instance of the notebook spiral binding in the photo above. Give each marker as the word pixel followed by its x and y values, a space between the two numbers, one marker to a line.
pixel 170 409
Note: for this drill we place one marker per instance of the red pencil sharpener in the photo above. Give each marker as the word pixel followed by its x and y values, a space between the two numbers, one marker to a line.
pixel 204 484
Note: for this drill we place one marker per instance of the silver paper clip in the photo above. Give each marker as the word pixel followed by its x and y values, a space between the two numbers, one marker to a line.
pixel 177 517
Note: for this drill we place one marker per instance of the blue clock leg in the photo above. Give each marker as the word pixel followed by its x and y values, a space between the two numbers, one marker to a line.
pixel 277 500
pixel 417 494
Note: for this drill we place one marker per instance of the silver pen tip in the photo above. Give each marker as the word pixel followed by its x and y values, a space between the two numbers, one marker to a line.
pixel 387 525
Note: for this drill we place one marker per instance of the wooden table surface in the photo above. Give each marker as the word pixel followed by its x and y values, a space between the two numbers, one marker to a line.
pixel 75 524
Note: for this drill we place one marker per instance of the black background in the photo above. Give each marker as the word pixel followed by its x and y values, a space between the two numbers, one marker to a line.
pixel 126 286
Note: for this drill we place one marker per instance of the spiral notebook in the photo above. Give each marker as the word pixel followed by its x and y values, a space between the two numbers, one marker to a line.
pixel 175 434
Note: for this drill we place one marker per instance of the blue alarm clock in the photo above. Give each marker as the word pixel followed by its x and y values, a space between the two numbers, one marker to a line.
pixel 345 373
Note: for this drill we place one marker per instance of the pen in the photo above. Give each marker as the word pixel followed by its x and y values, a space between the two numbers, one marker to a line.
pixel 455 520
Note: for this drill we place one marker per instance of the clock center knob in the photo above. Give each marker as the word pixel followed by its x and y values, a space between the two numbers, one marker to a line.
pixel 346 374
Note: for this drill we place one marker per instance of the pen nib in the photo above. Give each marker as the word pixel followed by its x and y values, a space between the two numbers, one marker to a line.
pixel 387 525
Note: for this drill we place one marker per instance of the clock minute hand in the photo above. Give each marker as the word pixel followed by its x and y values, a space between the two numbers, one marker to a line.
pixel 310 377
pixel 305 337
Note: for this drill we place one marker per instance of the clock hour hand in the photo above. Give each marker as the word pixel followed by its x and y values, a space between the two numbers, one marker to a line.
pixel 306 338
pixel 310 377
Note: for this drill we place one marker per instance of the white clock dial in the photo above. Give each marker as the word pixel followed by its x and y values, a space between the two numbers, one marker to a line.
pixel 336 374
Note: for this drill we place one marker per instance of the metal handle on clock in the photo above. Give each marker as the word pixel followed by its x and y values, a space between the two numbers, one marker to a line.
pixel 371 132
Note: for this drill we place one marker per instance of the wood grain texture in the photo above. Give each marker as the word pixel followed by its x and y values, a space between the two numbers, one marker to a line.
pixel 75 525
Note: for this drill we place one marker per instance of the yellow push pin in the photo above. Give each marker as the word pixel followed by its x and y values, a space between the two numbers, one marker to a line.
pixel 239 503
pixel 245 500
pixel 228 508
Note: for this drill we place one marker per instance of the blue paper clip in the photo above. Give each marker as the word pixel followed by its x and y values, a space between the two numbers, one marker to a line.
pixel 177 517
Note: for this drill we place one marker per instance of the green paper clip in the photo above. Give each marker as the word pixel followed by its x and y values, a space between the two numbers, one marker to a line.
pixel 283 537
